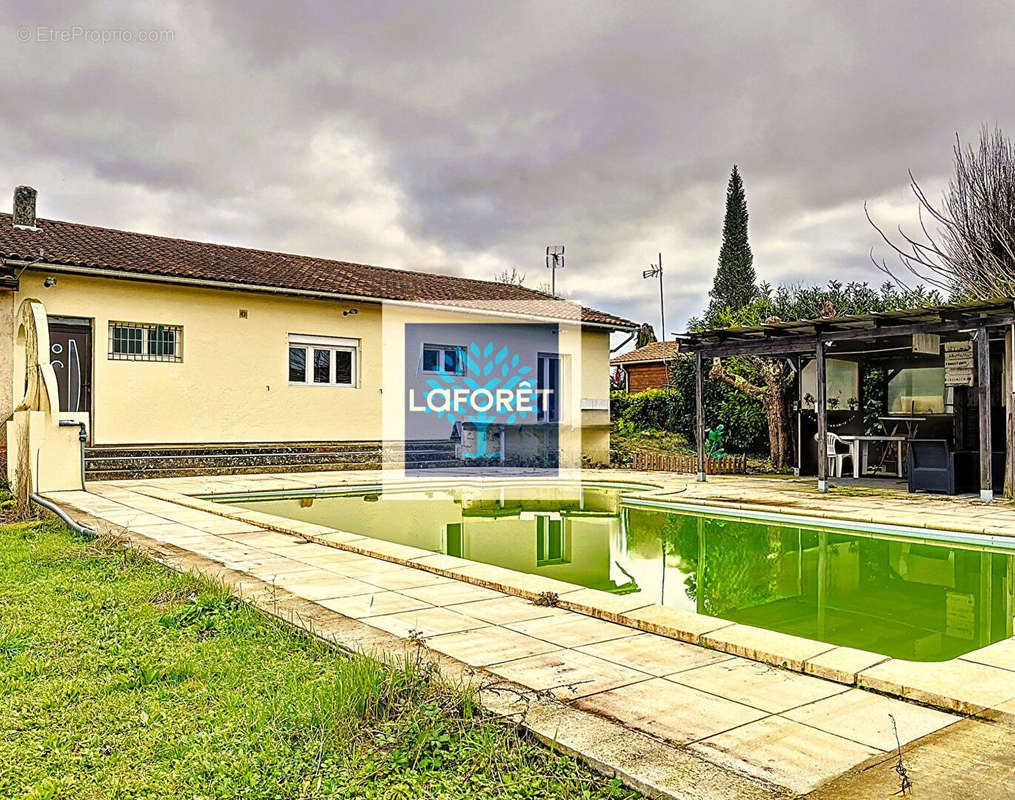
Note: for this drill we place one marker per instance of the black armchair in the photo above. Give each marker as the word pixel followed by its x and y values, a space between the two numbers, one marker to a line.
pixel 935 467
pixel 931 465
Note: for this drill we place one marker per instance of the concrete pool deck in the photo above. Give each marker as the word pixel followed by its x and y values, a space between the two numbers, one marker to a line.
pixel 739 711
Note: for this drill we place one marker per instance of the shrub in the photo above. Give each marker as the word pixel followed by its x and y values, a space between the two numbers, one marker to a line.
pixel 745 428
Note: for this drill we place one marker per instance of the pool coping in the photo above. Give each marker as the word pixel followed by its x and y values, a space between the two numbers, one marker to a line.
pixel 980 683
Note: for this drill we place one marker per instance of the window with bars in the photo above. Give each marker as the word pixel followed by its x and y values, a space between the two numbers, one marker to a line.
pixel 142 341
pixel 322 360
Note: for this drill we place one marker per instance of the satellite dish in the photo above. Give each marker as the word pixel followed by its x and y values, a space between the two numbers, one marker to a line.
pixel 555 256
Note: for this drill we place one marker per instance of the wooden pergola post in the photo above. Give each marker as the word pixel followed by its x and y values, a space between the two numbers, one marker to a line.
pixel 822 414
pixel 798 466
pixel 1008 389
pixel 699 415
pixel 983 392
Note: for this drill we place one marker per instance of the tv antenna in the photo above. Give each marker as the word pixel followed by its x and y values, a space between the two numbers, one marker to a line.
pixel 554 261
pixel 656 270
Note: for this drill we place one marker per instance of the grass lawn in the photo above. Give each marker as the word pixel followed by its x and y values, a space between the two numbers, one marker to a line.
pixel 119 678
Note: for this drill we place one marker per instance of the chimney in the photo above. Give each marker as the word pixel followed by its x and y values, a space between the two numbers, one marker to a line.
pixel 24 207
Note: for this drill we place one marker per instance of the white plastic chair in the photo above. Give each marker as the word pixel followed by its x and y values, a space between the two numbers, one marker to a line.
pixel 835 456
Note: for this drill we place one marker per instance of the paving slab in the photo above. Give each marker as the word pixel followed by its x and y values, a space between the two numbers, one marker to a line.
pixel 452 593
pixel 488 645
pixel 373 605
pixel 970 760
pixel 758 685
pixel 512 581
pixel 504 609
pixel 654 654
pixel 273 570
pixel 652 767
pixel 572 630
pixel 867 718
pixel 426 622
pixel 315 586
pixel 398 578
pixel 842 664
pixel 675 623
pixel 338 537
pixel 1000 654
pixel 957 685
pixel 771 647
pixel 379 547
pixel 604 605
pixel 568 673
pixel 784 752
pixel 440 561
pixel 676 713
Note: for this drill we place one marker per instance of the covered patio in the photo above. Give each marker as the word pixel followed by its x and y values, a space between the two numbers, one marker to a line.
pixel 945 420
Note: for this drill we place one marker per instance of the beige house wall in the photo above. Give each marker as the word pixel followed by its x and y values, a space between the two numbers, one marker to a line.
pixel 232 384
pixel 595 438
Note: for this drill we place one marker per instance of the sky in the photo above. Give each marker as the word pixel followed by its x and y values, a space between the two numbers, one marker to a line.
pixel 464 137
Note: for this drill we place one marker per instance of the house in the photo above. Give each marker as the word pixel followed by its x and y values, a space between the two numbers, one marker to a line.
pixel 188 356
pixel 647 367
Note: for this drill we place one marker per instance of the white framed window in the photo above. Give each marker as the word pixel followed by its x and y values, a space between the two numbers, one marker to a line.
pixel 323 361
pixel 143 341
pixel 443 359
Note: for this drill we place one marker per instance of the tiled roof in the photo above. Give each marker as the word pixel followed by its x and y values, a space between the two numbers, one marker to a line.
pixel 139 254
pixel 653 351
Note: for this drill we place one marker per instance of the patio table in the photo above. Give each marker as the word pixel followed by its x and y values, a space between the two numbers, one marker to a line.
pixel 898 420
pixel 860 450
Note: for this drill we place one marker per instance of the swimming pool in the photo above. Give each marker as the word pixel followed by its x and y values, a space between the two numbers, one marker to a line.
pixel 900 596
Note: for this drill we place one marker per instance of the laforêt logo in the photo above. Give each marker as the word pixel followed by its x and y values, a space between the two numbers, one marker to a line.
pixel 486 395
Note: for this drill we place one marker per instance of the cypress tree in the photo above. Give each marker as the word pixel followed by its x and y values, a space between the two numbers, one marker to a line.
pixel 734 279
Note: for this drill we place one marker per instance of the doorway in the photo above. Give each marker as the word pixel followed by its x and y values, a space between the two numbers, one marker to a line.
pixel 548 382
pixel 70 353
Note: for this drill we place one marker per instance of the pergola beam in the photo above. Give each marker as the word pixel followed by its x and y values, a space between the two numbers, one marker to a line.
pixel 767 344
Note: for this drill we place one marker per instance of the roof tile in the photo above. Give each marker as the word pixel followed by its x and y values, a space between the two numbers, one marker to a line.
pixel 74 244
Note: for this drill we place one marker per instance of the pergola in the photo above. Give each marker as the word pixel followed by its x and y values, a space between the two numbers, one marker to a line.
pixel 869 334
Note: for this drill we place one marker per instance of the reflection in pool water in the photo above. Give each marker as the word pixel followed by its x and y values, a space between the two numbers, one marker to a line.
pixel 902 598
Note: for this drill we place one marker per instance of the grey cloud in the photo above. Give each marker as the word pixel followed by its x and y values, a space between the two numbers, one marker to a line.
pixel 463 136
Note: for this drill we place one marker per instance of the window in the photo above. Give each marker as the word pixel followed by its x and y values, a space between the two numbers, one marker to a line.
pixel 446 359
pixel 140 341
pixel 842 384
pixel 917 390
pixel 322 360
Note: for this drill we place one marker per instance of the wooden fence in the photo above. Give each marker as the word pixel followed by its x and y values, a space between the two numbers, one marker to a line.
pixel 681 462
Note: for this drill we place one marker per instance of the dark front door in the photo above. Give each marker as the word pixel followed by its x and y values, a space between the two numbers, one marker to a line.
pixel 70 353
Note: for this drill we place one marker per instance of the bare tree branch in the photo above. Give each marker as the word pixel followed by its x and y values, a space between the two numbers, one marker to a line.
pixel 971 254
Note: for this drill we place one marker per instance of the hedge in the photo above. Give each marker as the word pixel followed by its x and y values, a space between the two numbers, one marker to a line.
pixel 743 418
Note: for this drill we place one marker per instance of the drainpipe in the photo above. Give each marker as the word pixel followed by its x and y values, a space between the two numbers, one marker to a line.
pixel 81 529
pixel 82 438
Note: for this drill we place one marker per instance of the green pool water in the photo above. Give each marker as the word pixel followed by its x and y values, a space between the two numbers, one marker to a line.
pixel 892 595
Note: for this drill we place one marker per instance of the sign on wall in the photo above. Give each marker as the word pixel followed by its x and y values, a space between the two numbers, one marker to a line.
pixel 495 389
pixel 959 364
